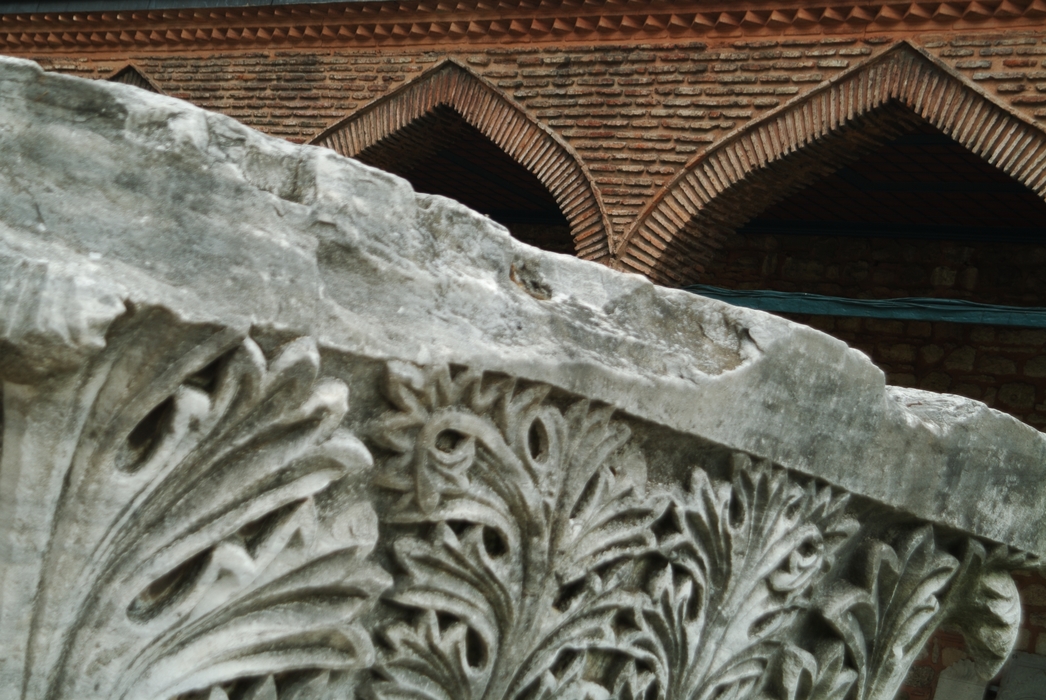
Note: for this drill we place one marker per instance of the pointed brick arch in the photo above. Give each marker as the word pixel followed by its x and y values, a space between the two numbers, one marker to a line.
pixel 531 144
pixel 813 136
pixel 132 75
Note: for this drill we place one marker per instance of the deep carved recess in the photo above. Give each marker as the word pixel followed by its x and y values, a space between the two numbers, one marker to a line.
pixel 523 550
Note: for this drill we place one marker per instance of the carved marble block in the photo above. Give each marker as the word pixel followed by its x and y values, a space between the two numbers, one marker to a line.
pixel 275 426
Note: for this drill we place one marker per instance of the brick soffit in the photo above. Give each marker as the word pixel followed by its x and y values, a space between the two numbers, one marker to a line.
pixel 457 22
pixel 531 144
pixel 811 136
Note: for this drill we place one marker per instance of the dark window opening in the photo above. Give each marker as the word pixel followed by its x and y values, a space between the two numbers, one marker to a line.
pixel 923 183
pixel 441 153
pixel 920 216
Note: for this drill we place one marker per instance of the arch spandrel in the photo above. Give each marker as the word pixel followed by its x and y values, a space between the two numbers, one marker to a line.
pixel 534 146
pixel 812 136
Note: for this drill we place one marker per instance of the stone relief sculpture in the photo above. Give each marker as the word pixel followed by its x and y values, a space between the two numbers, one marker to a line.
pixel 550 569
pixel 185 541
pixel 295 439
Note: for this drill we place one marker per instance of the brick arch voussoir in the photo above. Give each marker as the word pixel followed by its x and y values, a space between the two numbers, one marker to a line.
pixel 812 136
pixel 531 144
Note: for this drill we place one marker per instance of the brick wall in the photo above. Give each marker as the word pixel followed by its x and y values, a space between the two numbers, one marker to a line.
pixel 1011 67
pixel 879 268
pixel 635 113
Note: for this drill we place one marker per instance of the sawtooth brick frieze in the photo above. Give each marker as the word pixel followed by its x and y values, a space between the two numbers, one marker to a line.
pixel 478 21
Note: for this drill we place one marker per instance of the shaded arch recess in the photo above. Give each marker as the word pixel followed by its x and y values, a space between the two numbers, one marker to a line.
pixel 813 136
pixel 543 153
pixel 132 75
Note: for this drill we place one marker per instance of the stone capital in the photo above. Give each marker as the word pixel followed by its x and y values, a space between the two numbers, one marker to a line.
pixel 276 426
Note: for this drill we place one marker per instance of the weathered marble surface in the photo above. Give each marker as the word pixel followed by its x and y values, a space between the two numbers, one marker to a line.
pixel 276 426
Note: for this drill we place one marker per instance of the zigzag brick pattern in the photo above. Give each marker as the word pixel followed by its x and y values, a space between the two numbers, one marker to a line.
pixel 484 21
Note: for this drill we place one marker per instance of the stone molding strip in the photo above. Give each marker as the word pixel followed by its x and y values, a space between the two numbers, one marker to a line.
pixel 478 21
pixel 812 136
pixel 537 148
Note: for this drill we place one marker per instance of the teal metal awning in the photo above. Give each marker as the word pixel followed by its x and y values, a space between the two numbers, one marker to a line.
pixel 912 309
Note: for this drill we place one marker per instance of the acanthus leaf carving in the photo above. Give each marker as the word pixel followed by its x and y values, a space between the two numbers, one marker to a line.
pixel 797 674
pixel 740 564
pixel 534 557
pixel 899 591
pixel 985 604
pixel 529 511
pixel 188 550
pixel 547 567
pixel 883 613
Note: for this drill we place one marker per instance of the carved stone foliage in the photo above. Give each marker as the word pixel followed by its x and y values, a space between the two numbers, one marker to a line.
pixel 523 550
pixel 185 550
pixel 884 605
pixel 536 560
